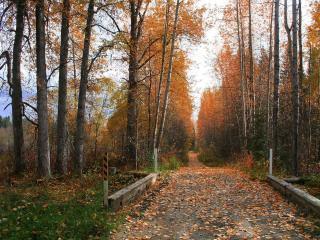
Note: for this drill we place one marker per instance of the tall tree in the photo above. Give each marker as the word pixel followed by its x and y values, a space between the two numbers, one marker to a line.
pixel 251 72
pixel 269 76
pixel 42 105
pixel 163 57
pixel 295 89
pixel 79 139
pixel 276 77
pixel 61 166
pixel 242 73
pixel 169 75
pixel 18 141
pixel 136 19
pixel 300 46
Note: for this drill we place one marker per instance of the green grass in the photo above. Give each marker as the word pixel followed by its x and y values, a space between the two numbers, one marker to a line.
pixel 41 216
pixel 259 171
pixel 172 164
pixel 210 158
pixel 312 180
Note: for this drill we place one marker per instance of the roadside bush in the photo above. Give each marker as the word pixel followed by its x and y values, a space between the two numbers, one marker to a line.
pixel 173 164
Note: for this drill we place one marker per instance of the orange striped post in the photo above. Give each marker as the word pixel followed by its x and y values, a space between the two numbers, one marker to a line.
pixel 105 169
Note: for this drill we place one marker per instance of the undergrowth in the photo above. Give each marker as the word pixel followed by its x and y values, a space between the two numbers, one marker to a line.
pixel 47 212
pixel 171 164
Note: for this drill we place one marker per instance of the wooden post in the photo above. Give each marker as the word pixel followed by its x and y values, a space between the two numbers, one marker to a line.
pixel 155 160
pixel 105 179
pixel 270 161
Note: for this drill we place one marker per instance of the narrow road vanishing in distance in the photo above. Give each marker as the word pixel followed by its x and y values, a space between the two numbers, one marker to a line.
pixel 216 203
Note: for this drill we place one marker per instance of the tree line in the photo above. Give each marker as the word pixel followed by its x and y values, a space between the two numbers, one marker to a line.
pixel 269 74
pixel 66 108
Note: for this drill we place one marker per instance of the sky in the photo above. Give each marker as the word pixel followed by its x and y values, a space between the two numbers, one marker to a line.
pixel 202 56
pixel 201 74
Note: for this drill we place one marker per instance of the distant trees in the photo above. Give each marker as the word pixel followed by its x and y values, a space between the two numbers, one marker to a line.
pixel 246 94
pixel 5 122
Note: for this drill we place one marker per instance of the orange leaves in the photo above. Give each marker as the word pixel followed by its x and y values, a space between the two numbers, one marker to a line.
pixel 210 115
pixel 315 27
pixel 216 203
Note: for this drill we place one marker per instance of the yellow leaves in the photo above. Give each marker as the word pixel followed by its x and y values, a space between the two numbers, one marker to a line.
pixel 314 28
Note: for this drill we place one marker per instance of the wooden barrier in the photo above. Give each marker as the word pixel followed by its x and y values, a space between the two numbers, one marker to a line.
pixel 306 201
pixel 130 193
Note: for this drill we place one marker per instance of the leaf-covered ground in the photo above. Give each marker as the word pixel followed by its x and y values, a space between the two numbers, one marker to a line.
pixel 69 208
pixel 216 203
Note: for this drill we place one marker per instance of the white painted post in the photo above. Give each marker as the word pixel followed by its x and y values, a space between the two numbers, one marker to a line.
pixel 155 159
pixel 270 161
pixel 105 180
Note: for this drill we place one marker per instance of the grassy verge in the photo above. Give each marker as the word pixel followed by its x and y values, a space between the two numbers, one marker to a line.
pixel 68 209
pixel 172 164
pixel 210 158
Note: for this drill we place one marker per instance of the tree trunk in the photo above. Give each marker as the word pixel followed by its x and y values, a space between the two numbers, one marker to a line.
pixel 300 46
pixel 251 74
pixel 164 44
pixel 288 30
pixel 241 63
pixel 276 78
pixel 18 141
pixel 149 105
pixel 269 78
pixel 42 106
pixel 169 77
pixel 61 164
pixel 80 134
pixel 295 89
pixel 309 105
pixel 132 86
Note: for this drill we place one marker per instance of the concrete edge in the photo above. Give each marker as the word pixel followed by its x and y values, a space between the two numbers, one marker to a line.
pixel 131 192
pixel 301 198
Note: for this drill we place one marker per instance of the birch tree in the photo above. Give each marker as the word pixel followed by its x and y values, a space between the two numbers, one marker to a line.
pixel 167 90
pixel 163 56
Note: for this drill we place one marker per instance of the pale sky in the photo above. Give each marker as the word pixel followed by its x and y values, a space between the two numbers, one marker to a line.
pixel 202 56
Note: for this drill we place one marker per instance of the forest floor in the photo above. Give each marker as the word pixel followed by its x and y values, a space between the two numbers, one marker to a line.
pixel 66 208
pixel 216 203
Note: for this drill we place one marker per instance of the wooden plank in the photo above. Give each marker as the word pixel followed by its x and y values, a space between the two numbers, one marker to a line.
pixel 294 180
pixel 301 198
pixel 132 192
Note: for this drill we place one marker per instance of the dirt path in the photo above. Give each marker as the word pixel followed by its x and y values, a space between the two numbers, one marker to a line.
pixel 216 203
pixel 193 160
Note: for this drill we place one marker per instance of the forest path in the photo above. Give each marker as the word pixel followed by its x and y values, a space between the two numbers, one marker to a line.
pixel 215 203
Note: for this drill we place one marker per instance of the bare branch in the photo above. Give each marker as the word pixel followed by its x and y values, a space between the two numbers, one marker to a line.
pixel 97 55
pixel 147 48
pixel 4 12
